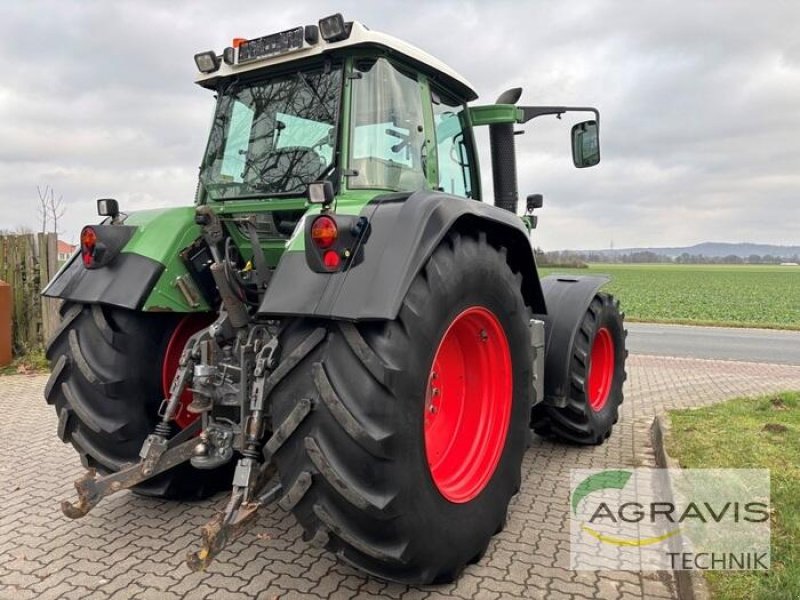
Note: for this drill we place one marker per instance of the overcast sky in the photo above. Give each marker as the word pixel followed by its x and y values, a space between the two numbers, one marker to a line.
pixel 700 105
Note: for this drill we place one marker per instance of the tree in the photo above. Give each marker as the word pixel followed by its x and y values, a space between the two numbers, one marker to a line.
pixel 49 207
pixel 41 207
pixel 57 209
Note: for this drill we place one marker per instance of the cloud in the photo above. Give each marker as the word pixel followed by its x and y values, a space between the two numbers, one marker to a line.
pixel 698 101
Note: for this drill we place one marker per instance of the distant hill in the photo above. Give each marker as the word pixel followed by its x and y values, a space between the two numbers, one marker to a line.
pixel 711 250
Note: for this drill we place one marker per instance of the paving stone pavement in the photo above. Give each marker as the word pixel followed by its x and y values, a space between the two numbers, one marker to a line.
pixel 132 547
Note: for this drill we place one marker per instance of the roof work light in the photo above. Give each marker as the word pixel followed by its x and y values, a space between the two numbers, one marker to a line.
pixel 207 62
pixel 333 28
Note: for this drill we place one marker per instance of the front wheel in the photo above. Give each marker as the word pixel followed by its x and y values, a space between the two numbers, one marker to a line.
pixel 408 436
pixel 596 376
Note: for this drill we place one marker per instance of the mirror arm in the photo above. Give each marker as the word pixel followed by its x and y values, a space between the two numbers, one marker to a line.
pixel 531 112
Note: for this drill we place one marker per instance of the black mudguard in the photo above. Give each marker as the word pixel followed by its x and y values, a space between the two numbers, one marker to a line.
pixel 567 300
pixel 404 230
pixel 126 282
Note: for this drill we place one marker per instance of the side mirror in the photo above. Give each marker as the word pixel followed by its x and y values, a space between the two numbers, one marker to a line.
pixel 586 144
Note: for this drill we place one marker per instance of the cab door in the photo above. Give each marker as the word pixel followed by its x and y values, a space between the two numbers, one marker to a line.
pixel 390 141
pixel 456 167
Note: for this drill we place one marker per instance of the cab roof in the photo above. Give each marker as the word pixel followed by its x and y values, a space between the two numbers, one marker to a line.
pixel 360 36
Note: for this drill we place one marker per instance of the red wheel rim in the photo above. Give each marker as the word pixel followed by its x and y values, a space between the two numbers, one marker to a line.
pixel 601 369
pixel 186 328
pixel 468 404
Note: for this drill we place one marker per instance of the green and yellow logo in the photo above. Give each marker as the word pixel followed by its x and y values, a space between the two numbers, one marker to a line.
pixel 611 480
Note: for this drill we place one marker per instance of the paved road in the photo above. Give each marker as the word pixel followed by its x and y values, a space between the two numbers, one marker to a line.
pixel 133 548
pixel 753 345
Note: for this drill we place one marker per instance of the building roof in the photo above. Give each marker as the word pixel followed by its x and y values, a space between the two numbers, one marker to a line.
pixel 65 248
pixel 360 35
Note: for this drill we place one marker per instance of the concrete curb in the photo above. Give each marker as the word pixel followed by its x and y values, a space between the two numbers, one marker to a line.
pixel 691 584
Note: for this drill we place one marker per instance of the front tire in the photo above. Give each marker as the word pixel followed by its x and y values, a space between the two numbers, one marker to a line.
pixel 596 377
pixel 363 472
pixel 106 386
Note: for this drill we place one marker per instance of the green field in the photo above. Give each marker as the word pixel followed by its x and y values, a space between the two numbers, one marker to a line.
pixel 730 295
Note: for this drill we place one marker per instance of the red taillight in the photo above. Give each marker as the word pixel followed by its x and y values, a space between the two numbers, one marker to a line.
pixel 331 259
pixel 88 245
pixel 324 232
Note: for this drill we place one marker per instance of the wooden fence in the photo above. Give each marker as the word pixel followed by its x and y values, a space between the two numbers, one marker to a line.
pixel 27 263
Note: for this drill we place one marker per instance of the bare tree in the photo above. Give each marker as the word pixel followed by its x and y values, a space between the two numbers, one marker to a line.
pixel 41 207
pixel 50 208
pixel 57 209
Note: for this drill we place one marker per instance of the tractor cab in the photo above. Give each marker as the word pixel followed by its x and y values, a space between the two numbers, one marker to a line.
pixel 362 110
pixel 334 102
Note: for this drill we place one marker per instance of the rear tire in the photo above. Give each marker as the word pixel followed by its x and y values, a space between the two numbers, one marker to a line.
pixel 106 387
pixel 596 376
pixel 355 466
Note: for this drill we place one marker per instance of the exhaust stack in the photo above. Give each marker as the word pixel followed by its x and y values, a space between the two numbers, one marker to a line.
pixel 504 157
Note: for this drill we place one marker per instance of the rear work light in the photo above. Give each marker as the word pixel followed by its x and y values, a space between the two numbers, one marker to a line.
pixel 88 246
pixel 324 232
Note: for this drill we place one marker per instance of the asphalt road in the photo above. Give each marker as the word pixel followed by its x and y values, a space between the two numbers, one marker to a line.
pixel 753 345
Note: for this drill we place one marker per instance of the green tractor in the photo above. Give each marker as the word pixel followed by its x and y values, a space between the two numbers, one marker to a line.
pixel 339 324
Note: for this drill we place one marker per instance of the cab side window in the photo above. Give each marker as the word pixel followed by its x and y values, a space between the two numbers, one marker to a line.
pixel 451 149
pixel 387 135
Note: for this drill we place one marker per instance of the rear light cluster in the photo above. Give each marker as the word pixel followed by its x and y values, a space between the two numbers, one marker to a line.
pixel 101 244
pixel 88 246
pixel 324 233
pixel 334 242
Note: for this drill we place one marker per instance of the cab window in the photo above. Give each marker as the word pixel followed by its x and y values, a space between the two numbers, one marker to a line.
pixel 387 129
pixel 451 148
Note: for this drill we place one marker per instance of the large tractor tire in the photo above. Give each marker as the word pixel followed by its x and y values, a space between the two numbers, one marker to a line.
pixel 596 376
pixel 110 368
pixel 404 440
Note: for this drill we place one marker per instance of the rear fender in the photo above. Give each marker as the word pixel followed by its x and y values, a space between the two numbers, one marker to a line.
pixel 567 300
pixel 404 230
pixel 144 275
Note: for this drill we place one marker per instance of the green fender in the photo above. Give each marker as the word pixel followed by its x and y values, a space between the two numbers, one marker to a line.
pixel 144 276
pixel 161 235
